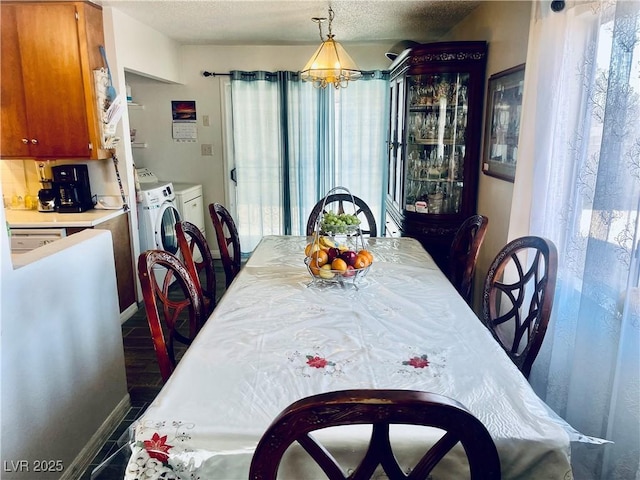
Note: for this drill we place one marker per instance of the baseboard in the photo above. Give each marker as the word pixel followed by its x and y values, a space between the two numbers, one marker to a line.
pixel 128 313
pixel 91 449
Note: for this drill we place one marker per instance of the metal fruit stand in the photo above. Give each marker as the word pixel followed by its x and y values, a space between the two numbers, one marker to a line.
pixel 338 236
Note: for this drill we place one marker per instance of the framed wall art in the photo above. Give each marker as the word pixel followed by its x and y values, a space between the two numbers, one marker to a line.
pixel 502 123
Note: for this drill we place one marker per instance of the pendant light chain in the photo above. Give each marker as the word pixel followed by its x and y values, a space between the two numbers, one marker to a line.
pixel 331 15
pixel 319 20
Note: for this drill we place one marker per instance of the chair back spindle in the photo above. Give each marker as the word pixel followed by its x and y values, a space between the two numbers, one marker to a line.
pixel 228 240
pixel 381 409
pixel 337 200
pixel 170 303
pixel 518 296
pixel 463 254
pixel 191 241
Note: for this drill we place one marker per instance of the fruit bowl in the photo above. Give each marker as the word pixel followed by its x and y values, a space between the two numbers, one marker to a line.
pixel 337 252
pixel 332 261
pixel 336 276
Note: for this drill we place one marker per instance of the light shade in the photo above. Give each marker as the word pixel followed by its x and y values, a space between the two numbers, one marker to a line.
pixel 330 64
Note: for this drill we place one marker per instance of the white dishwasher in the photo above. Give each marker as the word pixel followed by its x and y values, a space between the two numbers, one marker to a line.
pixel 190 205
pixel 26 239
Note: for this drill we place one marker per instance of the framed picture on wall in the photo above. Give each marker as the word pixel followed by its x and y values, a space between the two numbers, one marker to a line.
pixel 502 123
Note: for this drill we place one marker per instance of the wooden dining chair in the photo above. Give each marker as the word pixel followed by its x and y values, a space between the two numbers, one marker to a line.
pixel 518 296
pixel 227 235
pixel 192 244
pixel 379 408
pixel 335 202
pixel 463 254
pixel 173 305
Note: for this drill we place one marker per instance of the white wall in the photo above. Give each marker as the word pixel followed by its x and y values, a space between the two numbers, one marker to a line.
pixel 140 49
pixel 133 46
pixel 505 26
pixel 62 357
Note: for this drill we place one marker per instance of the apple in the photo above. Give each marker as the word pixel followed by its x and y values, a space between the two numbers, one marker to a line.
pixel 333 253
pixel 349 257
pixel 349 272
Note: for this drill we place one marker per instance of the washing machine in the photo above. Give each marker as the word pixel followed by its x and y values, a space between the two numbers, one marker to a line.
pixel 157 218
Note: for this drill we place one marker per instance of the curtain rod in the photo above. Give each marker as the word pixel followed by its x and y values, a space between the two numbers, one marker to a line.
pixel 214 74
pixel 205 73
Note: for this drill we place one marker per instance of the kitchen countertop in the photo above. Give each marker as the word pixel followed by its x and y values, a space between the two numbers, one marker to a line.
pixel 36 219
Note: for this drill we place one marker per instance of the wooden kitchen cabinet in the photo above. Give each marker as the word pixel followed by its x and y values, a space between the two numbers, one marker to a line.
pixel 121 238
pixel 436 93
pixel 48 53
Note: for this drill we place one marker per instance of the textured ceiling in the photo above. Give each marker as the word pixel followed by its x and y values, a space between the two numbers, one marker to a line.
pixel 267 22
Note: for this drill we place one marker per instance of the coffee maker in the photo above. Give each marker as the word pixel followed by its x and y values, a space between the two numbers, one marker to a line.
pixel 71 185
pixel 47 194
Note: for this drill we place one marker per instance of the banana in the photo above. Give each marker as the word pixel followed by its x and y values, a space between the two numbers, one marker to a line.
pixel 327 242
pixel 311 247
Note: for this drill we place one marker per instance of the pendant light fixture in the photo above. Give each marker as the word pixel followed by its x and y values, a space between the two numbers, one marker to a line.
pixel 330 64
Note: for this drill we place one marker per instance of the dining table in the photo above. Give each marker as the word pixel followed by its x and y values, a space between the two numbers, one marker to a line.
pixel 278 335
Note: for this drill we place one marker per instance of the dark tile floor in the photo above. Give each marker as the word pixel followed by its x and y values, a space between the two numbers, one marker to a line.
pixel 143 382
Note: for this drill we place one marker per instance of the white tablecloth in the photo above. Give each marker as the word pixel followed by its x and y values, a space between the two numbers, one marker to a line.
pixel 275 337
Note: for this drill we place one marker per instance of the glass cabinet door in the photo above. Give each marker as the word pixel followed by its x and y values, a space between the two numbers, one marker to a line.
pixel 436 135
pixel 395 158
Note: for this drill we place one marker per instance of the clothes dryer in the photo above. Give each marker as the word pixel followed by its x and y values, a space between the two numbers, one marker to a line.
pixel 190 206
pixel 157 218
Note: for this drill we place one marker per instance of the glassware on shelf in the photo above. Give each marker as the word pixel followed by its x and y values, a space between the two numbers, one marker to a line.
pixel 435 200
pixel 456 196
pixel 413 192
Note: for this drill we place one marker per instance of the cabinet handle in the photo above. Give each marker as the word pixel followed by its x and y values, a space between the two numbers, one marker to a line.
pixel 25 141
pixel 34 141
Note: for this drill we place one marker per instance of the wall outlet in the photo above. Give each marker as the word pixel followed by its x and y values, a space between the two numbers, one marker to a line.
pixel 205 120
pixel 207 149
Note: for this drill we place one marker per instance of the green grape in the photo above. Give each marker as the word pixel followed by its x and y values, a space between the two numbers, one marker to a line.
pixel 334 223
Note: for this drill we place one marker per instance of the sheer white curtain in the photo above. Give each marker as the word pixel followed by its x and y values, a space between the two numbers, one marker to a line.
pixel 293 142
pixel 303 150
pixel 256 132
pixel 361 122
pixel 584 137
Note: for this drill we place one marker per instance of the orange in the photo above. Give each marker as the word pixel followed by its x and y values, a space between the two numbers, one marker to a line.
pixel 339 265
pixel 368 254
pixel 362 261
pixel 319 258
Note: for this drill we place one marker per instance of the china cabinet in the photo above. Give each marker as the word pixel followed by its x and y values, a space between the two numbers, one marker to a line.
pixel 49 52
pixel 434 141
